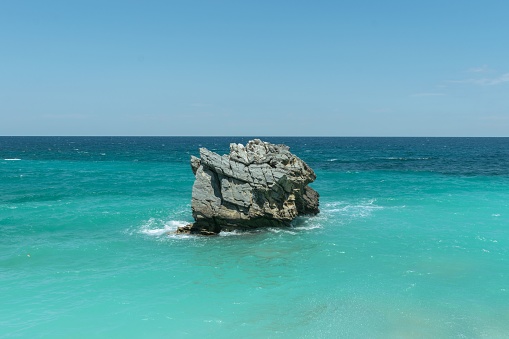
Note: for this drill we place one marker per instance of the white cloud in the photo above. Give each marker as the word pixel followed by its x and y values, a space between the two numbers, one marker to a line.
pixel 481 69
pixel 503 78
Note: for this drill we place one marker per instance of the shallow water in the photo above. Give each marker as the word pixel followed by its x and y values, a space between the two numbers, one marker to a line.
pixel 412 241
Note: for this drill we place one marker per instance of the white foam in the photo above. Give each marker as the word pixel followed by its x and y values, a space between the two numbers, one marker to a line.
pixel 308 227
pixel 411 158
pixel 153 227
pixel 307 223
pixel 158 231
pixel 159 228
pixel 232 233
pixel 12 159
pixel 282 230
pixel 361 209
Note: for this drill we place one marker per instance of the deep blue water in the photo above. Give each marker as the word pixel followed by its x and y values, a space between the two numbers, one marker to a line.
pixel 412 241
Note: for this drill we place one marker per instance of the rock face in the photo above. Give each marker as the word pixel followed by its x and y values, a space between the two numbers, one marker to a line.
pixel 257 185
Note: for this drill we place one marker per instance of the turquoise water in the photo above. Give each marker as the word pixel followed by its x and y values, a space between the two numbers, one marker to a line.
pixel 412 241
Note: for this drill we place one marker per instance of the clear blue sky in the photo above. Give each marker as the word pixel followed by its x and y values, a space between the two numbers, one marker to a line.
pixel 258 68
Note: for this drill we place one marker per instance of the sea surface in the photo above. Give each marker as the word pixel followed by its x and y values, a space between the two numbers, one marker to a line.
pixel 412 242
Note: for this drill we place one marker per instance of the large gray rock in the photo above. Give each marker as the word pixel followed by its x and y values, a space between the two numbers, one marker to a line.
pixel 259 185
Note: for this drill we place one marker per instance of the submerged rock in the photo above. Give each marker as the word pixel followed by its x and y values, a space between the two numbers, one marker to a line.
pixel 257 185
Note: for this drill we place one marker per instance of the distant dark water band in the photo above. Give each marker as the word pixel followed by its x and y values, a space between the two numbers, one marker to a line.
pixel 455 156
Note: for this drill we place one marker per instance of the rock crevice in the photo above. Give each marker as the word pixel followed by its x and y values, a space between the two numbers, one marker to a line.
pixel 257 185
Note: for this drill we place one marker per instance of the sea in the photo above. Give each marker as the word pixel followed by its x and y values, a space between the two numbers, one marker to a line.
pixel 412 241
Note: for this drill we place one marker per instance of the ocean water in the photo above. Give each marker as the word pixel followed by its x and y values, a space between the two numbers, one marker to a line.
pixel 412 242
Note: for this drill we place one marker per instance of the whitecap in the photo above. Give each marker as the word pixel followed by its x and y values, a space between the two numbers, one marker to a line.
pixel 405 158
pixel 361 209
pixel 12 159
pixel 157 232
pixel 232 233
pixel 281 230
pixel 153 227
pixel 306 223
pixel 308 227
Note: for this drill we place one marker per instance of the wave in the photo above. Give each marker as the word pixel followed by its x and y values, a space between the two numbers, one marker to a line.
pixel 157 228
pixel 361 209
pixel 312 226
pixel 341 211
pixel 12 159
pixel 406 158
pixel 281 230
pixel 337 210
pixel 233 233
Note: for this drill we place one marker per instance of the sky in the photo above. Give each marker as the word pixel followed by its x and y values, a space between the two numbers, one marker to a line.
pixel 254 68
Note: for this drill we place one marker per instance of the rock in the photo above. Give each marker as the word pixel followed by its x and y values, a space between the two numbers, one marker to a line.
pixel 190 229
pixel 195 163
pixel 257 185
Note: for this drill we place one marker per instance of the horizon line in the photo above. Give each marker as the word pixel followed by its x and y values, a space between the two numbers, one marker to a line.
pixel 250 136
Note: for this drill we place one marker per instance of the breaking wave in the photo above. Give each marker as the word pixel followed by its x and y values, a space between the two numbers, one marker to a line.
pixel 156 227
pixel 343 209
pixel 336 211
